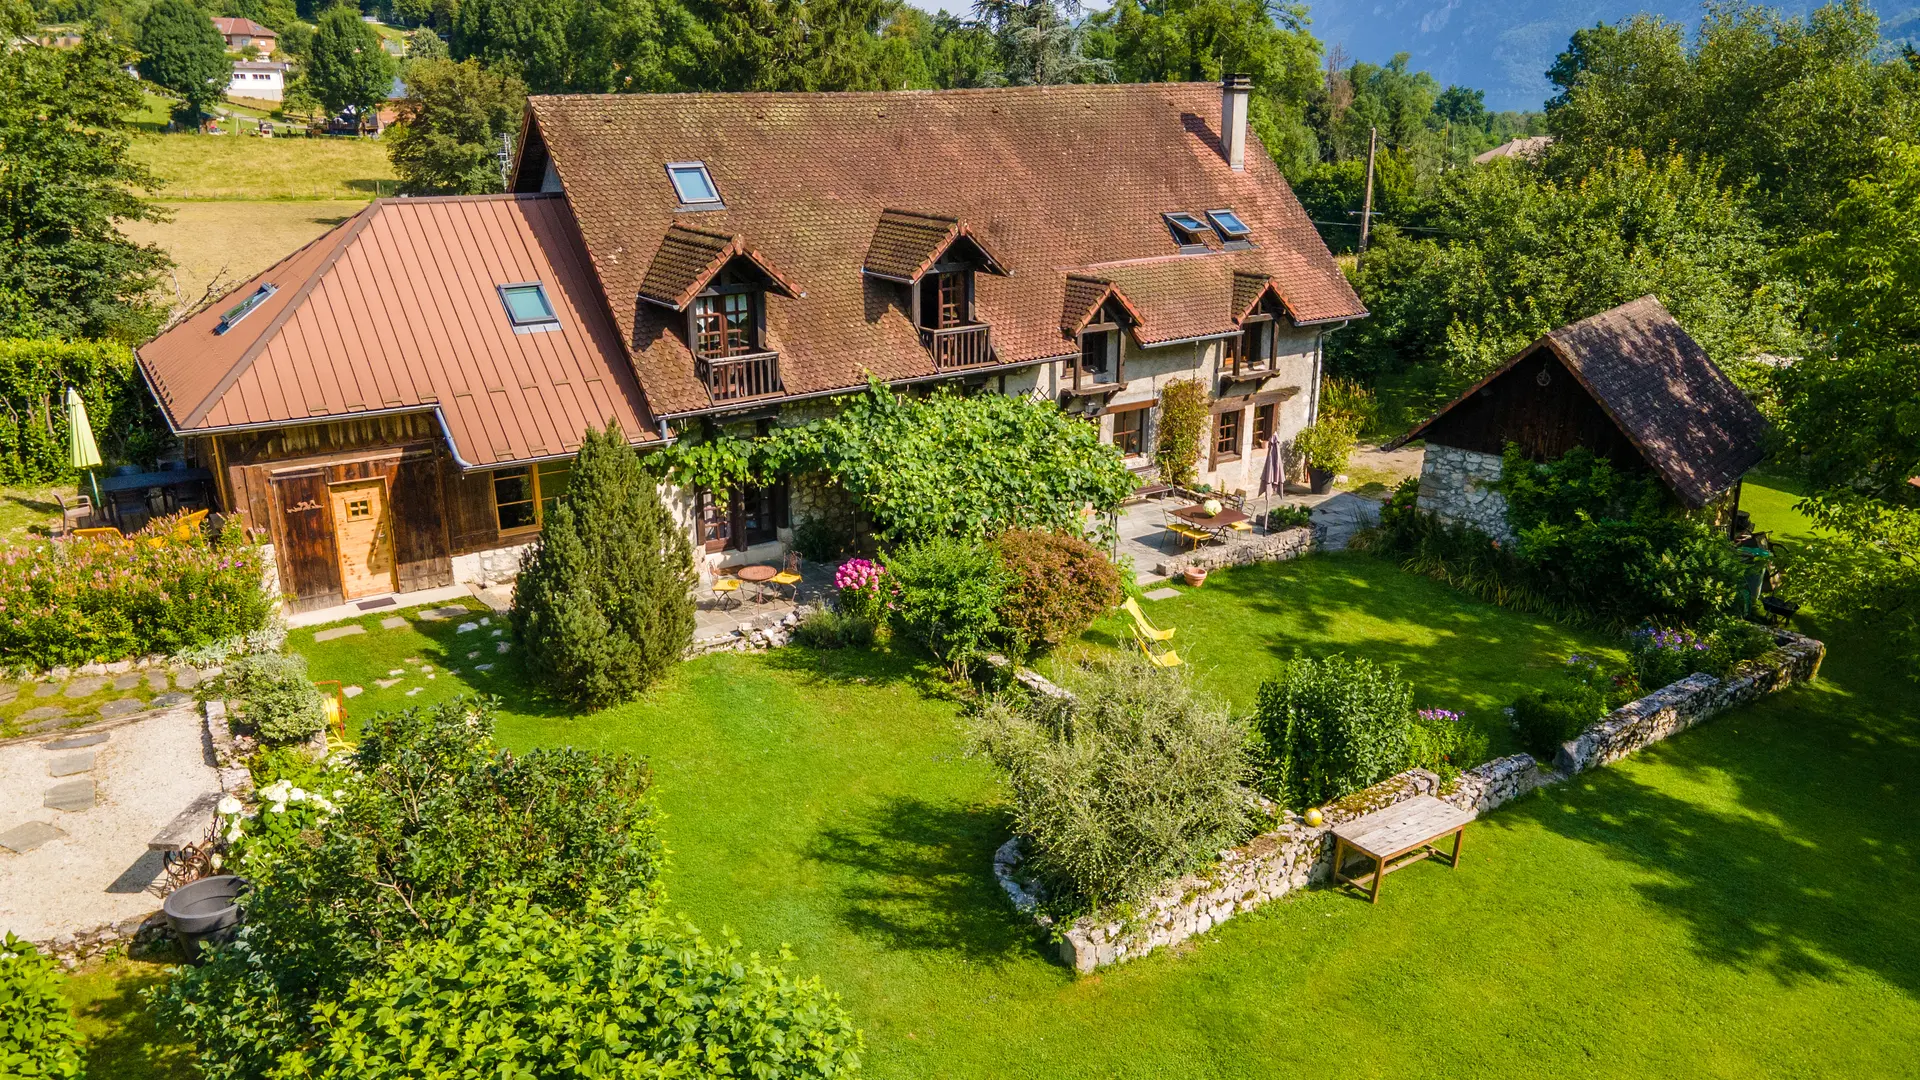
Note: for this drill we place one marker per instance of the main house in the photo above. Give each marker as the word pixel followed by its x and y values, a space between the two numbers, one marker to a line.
pixel 397 403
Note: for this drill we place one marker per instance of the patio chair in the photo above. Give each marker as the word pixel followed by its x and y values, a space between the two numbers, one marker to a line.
pixel 1141 624
pixel 105 534
pixel 1185 531
pixel 77 516
pixel 1238 500
pixel 724 589
pixel 1168 659
pixel 789 576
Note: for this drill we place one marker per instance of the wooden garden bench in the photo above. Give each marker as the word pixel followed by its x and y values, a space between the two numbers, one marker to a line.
pixel 1398 836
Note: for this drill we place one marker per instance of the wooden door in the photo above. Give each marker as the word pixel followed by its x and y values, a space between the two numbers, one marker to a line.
pixel 363 535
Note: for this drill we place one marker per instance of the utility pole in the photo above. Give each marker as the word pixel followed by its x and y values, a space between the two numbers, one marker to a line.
pixel 505 157
pixel 1366 212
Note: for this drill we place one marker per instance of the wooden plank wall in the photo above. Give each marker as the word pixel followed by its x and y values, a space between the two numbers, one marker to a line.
pixel 1544 421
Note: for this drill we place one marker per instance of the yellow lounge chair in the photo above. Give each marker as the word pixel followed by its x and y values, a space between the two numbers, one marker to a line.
pixel 105 533
pixel 187 526
pixel 1168 659
pixel 1142 624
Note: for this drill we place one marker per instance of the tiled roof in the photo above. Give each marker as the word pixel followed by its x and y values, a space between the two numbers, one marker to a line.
pixel 1686 418
pixel 398 310
pixel 1085 297
pixel 906 244
pixel 1054 180
pixel 689 258
pixel 1248 290
pixel 228 26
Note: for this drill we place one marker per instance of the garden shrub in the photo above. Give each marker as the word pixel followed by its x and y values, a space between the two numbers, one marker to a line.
pixel 1288 517
pixel 1445 743
pixel 1578 695
pixel 615 990
pixel 1141 780
pixel 37 1036
pixel 1349 401
pixel 276 698
pixel 34 377
pixel 604 602
pixel 1056 586
pixel 1332 726
pixel 429 816
pixel 946 594
pixel 1185 408
pixel 1662 656
pixel 862 590
pixel 830 629
pixel 1327 443
pixel 68 603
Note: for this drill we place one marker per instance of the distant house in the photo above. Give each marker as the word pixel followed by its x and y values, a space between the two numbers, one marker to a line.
pixel 1628 384
pixel 263 79
pixel 241 33
pixel 1530 148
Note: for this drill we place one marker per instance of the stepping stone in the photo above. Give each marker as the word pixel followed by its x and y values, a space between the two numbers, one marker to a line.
pixel 43 712
pixel 474 655
pixel 497 633
pixel 413 660
pixel 48 725
pixel 7 695
pixel 339 632
pixel 352 691
pixel 46 689
pixel 69 764
pixel 1163 594
pixel 187 678
pixel 415 690
pixel 395 622
pixel 384 683
pixel 157 679
pixel 440 613
pixel 429 676
pixel 483 667
pixel 466 628
pixel 72 796
pixel 502 647
pixel 75 742
pixel 485 621
pixel 24 838
pixel 128 681
pixel 426 667
pixel 396 671
pixel 86 687
pixel 171 698
pixel 125 706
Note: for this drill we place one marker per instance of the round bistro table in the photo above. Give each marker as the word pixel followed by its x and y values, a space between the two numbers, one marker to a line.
pixel 758 576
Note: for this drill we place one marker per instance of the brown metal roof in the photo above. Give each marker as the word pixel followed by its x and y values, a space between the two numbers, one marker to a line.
pixel 398 310
pixel 1056 180
pixel 1678 409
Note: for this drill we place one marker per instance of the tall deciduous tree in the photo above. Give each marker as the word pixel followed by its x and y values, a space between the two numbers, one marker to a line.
pixel 802 45
pixel 604 604
pixel 346 67
pixel 585 46
pixel 1040 42
pixel 181 51
pixel 67 177
pixel 450 127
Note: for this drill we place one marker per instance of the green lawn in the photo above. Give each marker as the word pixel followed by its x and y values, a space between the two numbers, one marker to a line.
pixel 243 168
pixel 1735 902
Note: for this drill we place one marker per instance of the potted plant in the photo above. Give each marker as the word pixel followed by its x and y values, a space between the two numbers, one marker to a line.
pixel 1196 575
pixel 1325 447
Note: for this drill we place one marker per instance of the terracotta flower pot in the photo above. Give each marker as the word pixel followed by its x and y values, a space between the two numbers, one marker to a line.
pixel 1195 577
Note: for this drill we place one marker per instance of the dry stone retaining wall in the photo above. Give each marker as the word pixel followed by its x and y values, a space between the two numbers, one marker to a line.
pixel 1249 548
pixel 1297 855
pixel 1461 487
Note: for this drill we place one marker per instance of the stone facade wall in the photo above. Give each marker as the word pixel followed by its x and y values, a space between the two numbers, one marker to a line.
pixel 1250 548
pixel 1696 698
pixel 1460 487
pixel 1297 855
pixel 494 566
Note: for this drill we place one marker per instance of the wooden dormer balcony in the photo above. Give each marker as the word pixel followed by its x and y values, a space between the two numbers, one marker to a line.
pixel 742 376
pixel 956 348
pixel 1237 363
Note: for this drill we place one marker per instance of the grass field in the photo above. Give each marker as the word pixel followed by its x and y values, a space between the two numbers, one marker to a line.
pixel 209 167
pixel 235 240
pixel 1731 903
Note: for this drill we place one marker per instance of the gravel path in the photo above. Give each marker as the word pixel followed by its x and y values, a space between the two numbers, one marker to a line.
pixel 90 865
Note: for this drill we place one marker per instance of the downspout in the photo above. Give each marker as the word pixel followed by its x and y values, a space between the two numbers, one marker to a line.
pixel 1319 368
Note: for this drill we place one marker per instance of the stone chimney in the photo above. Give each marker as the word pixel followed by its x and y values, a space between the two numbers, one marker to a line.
pixel 1234 90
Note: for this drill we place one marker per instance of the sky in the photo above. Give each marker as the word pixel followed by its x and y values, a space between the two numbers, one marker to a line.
pixel 1502 48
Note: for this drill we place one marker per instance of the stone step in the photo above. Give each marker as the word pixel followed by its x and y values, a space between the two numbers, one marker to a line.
pixel 75 742
pixel 24 838
pixel 70 764
pixel 72 796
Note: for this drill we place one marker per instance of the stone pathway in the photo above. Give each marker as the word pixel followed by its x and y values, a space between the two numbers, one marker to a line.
pixel 67 699
pixel 76 812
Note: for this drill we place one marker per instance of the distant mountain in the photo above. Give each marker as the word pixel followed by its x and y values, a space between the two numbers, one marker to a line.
pixel 1506 48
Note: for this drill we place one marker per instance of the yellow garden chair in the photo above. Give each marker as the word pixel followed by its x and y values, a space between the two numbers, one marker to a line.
pixel 1168 659
pixel 1141 624
pixel 789 576
pixel 727 588
pixel 187 526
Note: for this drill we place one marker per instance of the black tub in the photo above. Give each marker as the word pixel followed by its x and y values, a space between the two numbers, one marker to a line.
pixel 204 911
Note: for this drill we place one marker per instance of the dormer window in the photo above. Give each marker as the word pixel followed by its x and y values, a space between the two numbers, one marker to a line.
pixel 1233 232
pixel 1188 231
pixel 724 323
pixel 946 299
pixel 1100 367
pixel 694 186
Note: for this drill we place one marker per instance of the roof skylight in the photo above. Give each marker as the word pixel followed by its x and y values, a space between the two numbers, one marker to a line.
pixel 528 308
pixel 1188 231
pixel 241 310
pixel 693 185
pixel 1229 224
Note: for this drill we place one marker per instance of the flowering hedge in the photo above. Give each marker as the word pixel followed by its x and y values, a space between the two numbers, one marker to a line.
pixel 81 601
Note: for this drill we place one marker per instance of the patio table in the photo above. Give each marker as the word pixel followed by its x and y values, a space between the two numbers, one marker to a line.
pixel 758 575
pixel 1198 517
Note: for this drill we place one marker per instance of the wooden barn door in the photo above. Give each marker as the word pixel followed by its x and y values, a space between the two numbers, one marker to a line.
pixel 309 572
pixel 363 535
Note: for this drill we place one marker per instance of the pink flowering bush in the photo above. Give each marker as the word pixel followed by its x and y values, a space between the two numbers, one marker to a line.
pixel 862 589
pixel 78 601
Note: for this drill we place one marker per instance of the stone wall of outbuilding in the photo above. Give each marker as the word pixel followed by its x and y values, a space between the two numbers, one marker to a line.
pixel 1461 487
